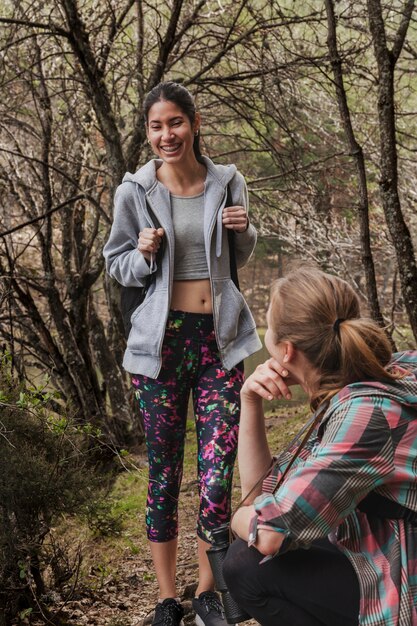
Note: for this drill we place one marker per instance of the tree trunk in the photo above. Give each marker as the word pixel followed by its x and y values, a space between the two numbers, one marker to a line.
pixel 386 60
pixel 357 154
pixel 124 426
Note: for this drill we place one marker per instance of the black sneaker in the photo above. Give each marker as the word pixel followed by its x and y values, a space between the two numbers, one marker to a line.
pixel 209 610
pixel 168 613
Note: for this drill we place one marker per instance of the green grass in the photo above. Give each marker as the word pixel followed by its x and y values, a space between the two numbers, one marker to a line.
pixel 129 492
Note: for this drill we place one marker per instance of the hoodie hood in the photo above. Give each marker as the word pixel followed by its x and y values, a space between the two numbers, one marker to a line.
pixel 402 390
pixel 217 179
pixel 146 175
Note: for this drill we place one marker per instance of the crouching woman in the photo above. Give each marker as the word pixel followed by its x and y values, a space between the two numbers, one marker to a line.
pixel 333 541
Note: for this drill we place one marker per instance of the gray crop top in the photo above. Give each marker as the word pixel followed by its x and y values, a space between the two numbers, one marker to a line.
pixel 190 261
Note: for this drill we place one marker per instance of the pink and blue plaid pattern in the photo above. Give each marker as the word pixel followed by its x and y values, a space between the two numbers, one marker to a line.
pixel 366 440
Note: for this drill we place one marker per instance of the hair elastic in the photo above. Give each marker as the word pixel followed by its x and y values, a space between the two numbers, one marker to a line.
pixel 336 325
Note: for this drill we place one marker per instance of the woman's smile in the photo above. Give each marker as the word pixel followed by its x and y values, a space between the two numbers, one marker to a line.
pixel 170 148
pixel 170 132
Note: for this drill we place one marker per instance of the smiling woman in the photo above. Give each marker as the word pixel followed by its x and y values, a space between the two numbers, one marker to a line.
pixel 191 332
pixel 171 135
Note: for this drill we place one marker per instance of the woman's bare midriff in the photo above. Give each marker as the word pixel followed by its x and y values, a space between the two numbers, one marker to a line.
pixel 193 296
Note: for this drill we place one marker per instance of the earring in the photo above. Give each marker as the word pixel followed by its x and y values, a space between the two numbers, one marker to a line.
pixel 149 141
pixel 196 133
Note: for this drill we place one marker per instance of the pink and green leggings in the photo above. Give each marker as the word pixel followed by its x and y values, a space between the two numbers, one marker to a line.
pixel 190 363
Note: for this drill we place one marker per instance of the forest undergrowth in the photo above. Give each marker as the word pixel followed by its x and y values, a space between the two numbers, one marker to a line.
pixel 116 584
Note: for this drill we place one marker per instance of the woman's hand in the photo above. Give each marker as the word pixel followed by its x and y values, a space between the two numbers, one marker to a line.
pixel 268 540
pixel 235 218
pixel 269 381
pixel 149 241
pixel 241 520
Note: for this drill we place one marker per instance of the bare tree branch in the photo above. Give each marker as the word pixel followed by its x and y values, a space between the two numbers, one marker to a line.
pixel 10 231
pixel 49 28
pixel 402 30
pixel 357 153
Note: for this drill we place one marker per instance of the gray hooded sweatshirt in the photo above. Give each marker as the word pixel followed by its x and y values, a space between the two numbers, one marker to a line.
pixel 233 322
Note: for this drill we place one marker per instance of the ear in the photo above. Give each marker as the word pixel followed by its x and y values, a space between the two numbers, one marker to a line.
pixel 289 352
pixel 197 122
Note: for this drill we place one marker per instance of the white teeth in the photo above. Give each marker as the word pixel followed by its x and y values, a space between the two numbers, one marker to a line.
pixel 170 148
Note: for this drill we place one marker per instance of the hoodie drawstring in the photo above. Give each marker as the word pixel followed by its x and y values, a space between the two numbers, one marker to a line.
pixel 219 234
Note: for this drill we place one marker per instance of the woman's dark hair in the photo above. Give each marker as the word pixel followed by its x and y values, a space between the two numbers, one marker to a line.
pixel 179 95
pixel 320 314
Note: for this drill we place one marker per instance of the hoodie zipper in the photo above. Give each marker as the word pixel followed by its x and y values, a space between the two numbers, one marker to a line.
pixel 211 283
pixel 169 294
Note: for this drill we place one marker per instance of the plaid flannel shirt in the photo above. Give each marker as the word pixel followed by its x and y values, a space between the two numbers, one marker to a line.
pixel 365 441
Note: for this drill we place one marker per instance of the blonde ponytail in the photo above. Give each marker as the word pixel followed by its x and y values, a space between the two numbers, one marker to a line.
pixel 320 314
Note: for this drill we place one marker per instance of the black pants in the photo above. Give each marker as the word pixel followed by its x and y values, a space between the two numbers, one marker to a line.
pixel 314 587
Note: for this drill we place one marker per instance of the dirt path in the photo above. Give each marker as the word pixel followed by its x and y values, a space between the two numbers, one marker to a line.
pixel 126 596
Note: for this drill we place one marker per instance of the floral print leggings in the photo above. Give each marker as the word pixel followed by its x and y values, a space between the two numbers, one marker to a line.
pixel 190 363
